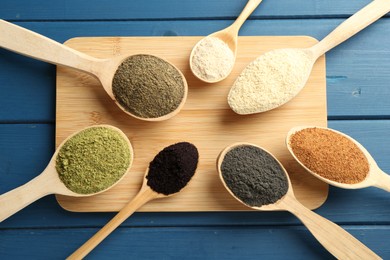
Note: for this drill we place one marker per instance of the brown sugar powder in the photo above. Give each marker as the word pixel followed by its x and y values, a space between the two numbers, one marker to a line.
pixel 330 155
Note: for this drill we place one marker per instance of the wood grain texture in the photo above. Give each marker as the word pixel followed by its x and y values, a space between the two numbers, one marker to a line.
pixel 357 88
pixel 251 242
pixel 173 9
pixel 146 194
pixel 357 70
pixel 205 120
pixel 24 152
pixel 353 25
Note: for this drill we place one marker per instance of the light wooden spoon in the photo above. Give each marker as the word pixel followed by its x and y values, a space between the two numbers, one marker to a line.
pixel 336 240
pixel 273 79
pixel 48 182
pixel 229 35
pixel 375 176
pixel 145 194
pixel 34 45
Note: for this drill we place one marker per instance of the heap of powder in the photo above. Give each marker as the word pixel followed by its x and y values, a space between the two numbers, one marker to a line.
pixel 270 81
pixel 212 59
pixel 254 176
pixel 172 168
pixel 330 155
pixel 148 86
pixel 93 160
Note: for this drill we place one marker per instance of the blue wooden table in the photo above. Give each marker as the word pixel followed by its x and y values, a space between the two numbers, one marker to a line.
pixel 358 92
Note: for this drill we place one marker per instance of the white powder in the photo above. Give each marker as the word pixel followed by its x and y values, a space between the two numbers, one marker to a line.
pixel 212 59
pixel 271 80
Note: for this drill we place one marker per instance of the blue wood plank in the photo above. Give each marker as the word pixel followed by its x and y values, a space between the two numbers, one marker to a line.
pixel 156 9
pixel 357 71
pixel 27 89
pixel 358 88
pixel 26 149
pixel 372 134
pixel 251 242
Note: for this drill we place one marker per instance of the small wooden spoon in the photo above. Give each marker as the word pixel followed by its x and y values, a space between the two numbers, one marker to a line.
pixel 243 101
pixel 34 45
pixel 48 182
pixel 229 35
pixel 336 240
pixel 375 177
pixel 145 194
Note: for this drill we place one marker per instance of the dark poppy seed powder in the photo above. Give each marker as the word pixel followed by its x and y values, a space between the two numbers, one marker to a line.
pixel 172 168
pixel 254 176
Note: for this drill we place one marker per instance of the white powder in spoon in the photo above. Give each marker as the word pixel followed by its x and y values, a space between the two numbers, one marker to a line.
pixel 271 80
pixel 212 59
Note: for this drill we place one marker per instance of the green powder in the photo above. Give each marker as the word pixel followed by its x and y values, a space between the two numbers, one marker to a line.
pixel 148 86
pixel 93 160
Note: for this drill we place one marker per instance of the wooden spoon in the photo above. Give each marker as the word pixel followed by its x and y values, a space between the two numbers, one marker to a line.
pixel 229 35
pixel 145 194
pixel 375 177
pixel 48 182
pixel 31 44
pixel 336 240
pixel 289 75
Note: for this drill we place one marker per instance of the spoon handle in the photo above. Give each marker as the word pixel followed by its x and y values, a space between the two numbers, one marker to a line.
pixel 382 180
pixel 34 45
pixel 142 197
pixel 246 12
pixel 357 22
pixel 18 198
pixel 335 239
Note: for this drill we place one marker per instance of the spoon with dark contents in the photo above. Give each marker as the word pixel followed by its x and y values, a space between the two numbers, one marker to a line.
pixel 86 163
pixel 168 173
pixel 335 158
pixel 160 97
pixel 258 180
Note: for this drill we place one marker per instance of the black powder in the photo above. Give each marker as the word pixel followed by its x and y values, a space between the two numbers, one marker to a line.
pixel 147 86
pixel 172 168
pixel 254 176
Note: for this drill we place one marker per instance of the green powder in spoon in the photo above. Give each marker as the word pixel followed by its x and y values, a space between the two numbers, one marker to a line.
pixel 93 160
pixel 147 86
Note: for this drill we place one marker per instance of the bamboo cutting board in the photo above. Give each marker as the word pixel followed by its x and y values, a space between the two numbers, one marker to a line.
pixel 206 121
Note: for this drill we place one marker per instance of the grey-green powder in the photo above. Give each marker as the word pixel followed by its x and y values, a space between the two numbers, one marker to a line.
pixel 147 86
pixel 93 160
pixel 254 176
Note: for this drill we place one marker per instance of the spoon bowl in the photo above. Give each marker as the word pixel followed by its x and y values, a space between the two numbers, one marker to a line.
pixel 34 45
pixel 276 77
pixel 229 36
pixel 375 176
pixel 48 182
pixel 336 240
pixel 270 207
pixel 271 80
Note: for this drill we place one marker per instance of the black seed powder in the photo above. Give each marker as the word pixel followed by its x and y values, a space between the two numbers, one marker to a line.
pixel 172 168
pixel 254 176
pixel 147 86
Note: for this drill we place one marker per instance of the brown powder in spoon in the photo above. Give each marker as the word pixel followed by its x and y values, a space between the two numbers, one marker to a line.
pixel 330 155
